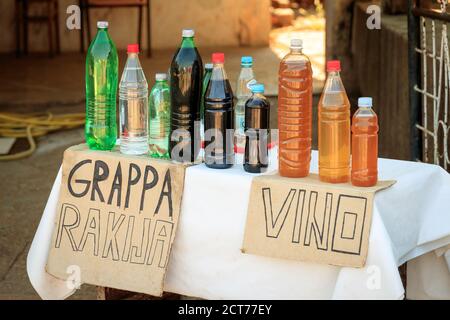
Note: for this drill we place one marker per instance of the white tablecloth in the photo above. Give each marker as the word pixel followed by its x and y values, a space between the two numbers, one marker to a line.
pixel 410 219
pixel 429 276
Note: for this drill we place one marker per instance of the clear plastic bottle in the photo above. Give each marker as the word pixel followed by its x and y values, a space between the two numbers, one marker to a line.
pixel 243 93
pixel 365 145
pixel 334 128
pixel 159 106
pixel 102 66
pixel 133 105
pixel 295 113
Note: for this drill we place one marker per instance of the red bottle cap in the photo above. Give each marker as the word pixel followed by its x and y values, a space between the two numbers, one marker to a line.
pixel 218 57
pixel 133 48
pixel 334 65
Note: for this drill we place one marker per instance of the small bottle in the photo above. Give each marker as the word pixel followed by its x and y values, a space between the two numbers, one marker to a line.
pixel 365 145
pixel 295 112
pixel 102 66
pixel 334 129
pixel 219 121
pixel 133 105
pixel 159 112
pixel 243 93
pixel 257 119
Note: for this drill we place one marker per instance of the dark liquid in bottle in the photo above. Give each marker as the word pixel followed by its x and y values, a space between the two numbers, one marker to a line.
pixel 257 119
pixel 218 118
pixel 186 76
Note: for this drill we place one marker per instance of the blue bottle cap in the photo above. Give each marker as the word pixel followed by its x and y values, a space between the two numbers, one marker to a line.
pixel 257 88
pixel 247 60
pixel 365 102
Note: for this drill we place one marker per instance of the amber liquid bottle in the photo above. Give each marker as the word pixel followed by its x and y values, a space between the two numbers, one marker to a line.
pixel 365 145
pixel 295 113
pixel 334 129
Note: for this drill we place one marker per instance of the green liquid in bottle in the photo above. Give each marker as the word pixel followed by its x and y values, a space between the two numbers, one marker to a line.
pixel 101 91
pixel 159 122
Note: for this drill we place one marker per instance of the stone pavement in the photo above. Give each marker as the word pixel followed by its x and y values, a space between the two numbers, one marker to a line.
pixel 25 185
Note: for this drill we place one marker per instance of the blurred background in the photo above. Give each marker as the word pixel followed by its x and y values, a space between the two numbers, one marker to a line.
pixel 42 59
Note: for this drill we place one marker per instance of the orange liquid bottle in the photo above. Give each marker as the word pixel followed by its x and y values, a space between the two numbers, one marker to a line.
pixel 295 113
pixel 365 145
pixel 334 129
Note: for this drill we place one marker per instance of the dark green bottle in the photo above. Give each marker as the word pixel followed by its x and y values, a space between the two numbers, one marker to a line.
pixel 186 76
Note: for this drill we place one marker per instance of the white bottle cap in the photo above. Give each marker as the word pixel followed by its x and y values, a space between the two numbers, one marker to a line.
pixel 297 43
pixel 102 24
pixel 161 76
pixel 365 102
pixel 188 33
pixel 209 66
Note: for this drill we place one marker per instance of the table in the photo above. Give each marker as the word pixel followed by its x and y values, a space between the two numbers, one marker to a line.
pixel 429 276
pixel 410 219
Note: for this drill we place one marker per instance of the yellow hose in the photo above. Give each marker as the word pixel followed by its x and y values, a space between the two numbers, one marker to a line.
pixel 35 125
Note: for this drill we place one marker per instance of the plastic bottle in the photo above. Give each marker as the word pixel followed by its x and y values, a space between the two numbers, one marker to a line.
pixel 186 77
pixel 365 145
pixel 219 140
pixel 295 113
pixel 257 117
pixel 206 78
pixel 159 113
pixel 334 128
pixel 243 93
pixel 101 91
pixel 133 105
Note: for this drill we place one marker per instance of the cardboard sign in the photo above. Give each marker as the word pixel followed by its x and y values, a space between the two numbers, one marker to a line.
pixel 116 220
pixel 308 220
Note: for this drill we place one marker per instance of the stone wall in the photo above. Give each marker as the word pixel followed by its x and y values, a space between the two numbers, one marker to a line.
pixel 217 22
pixel 381 69
pixel 375 63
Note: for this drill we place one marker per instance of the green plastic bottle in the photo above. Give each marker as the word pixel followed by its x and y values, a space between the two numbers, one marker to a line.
pixel 159 113
pixel 102 66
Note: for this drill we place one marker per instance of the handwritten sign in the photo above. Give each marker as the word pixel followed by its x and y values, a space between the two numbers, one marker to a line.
pixel 116 220
pixel 307 220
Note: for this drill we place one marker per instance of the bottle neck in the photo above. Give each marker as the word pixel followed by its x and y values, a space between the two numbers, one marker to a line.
pixel 188 42
pixel 102 33
pixel 218 72
pixel 259 95
pixel 296 50
pixel 334 82
pixel 133 61
pixel 334 74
